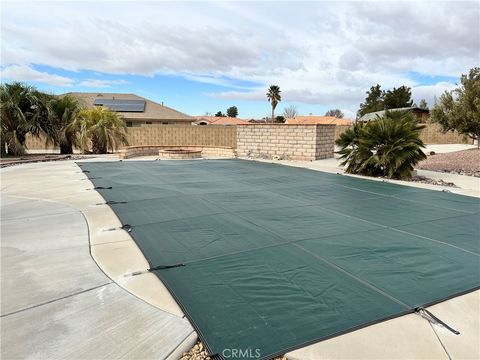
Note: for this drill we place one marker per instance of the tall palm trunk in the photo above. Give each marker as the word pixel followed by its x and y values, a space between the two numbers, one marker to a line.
pixel 66 149
pixel 97 146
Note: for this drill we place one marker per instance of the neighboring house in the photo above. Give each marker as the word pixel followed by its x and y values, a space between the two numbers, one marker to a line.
pixel 422 115
pixel 136 110
pixel 320 120
pixel 219 120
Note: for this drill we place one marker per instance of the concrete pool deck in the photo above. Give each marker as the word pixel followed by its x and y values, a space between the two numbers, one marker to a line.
pixel 56 302
pixel 49 216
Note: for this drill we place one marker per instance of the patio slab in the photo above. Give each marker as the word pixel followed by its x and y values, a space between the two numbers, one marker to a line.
pixel 56 301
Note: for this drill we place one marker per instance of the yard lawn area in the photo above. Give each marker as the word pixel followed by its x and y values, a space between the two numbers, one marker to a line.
pixel 466 162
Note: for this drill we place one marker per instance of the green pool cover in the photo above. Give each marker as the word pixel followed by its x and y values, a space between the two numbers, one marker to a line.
pixel 265 258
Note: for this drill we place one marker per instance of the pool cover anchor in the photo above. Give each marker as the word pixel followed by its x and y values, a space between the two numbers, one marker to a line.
pixel 159 267
pixel 112 202
pixel 126 227
pixel 427 315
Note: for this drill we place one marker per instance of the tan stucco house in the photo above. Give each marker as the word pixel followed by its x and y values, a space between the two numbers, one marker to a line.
pixel 136 110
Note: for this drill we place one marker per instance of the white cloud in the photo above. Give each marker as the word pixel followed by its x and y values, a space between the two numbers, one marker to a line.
pixel 27 73
pixel 98 83
pixel 429 92
pixel 318 52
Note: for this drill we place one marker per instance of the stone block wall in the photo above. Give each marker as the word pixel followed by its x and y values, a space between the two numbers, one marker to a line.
pixel 289 142
pixel 183 135
pixel 432 134
pixel 325 142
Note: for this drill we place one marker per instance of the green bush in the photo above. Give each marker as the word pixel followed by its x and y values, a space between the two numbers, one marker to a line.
pixel 389 146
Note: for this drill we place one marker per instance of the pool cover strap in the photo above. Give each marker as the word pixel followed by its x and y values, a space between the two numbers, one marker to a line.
pixel 155 268
pixel 161 267
pixel 433 319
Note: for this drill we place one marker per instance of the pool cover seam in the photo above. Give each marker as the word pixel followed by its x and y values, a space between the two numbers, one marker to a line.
pixel 274 245
pixel 224 211
pixel 364 282
pixel 409 200
pixel 409 233
pixel 338 268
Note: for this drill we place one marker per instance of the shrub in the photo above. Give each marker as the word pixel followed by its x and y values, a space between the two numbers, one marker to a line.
pixel 389 146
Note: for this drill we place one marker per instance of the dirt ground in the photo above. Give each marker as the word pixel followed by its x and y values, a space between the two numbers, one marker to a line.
pixel 465 162
pixel 198 352
pixel 33 158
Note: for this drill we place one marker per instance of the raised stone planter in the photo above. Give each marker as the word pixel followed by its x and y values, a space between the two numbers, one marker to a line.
pixel 179 154
pixel 152 150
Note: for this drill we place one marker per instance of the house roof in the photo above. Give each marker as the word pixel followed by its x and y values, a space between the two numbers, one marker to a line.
pixel 152 111
pixel 322 120
pixel 220 120
pixel 373 115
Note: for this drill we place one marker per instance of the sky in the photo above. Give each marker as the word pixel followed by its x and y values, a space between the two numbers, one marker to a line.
pixel 202 57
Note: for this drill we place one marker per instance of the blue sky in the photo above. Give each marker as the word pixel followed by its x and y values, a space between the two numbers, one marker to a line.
pixel 206 56
pixel 189 96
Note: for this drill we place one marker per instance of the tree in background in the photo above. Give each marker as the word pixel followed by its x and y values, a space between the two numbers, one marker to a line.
pixel 100 127
pixel 279 119
pixel 373 101
pixel 232 111
pixel 290 112
pixel 397 98
pixel 335 112
pixel 378 100
pixel 63 111
pixel 219 114
pixel 423 104
pixel 23 110
pixel 389 146
pixel 460 109
pixel 274 97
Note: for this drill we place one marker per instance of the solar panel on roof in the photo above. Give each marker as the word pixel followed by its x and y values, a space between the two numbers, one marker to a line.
pixel 121 104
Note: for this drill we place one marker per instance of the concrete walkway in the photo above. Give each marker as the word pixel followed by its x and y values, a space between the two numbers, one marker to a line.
pixel 56 303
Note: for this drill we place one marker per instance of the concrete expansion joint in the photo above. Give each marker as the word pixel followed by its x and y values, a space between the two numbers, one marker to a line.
pixel 57 299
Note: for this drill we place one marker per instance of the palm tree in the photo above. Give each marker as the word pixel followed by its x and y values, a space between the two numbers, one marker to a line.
pixel 63 111
pixel 389 146
pixel 99 127
pixel 274 97
pixel 349 142
pixel 23 110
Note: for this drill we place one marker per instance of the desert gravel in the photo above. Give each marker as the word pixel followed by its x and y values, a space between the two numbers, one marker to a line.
pixel 465 162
